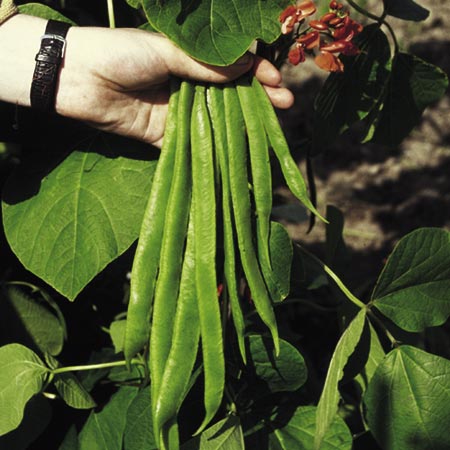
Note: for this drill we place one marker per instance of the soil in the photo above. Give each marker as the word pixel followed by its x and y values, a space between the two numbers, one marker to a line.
pixel 382 192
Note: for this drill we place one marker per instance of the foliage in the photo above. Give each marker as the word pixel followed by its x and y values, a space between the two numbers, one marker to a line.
pixel 233 327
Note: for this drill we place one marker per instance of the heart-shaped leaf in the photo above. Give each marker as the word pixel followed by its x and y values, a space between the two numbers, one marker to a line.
pixel 22 375
pixel 408 401
pixel 286 372
pixel 216 32
pixel 66 223
pixel 413 287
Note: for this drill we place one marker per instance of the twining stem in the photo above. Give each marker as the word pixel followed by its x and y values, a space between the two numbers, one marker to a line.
pixel 336 279
pixel 111 16
pixel 95 366
pixel 379 19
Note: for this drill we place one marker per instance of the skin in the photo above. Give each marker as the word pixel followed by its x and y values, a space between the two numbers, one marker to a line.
pixel 116 79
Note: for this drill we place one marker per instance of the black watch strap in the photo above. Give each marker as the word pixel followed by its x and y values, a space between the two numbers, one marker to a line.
pixel 48 62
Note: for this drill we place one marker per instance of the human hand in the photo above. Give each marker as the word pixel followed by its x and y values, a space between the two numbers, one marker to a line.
pixel 117 80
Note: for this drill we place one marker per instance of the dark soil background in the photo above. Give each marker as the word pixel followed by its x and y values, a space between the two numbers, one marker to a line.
pixel 384 193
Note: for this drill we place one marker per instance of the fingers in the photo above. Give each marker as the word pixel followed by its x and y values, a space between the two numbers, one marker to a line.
pixel 280 97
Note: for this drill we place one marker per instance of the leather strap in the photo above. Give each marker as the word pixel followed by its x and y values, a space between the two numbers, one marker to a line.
pixel 48 62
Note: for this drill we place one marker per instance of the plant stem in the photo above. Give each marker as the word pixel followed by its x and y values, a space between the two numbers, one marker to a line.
pixel 95 366
pixel 336 279
pixel 388 334
pixel 111 17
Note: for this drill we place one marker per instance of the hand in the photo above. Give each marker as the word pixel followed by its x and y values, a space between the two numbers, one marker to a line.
pixel 117 80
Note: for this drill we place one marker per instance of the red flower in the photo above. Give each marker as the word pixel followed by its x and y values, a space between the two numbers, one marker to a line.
pixel 348 31
pixel 309 40
pixel 329 62
pixel 297 55
pixel 295 14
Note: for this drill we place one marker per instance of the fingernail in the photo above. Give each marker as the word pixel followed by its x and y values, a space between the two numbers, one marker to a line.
pixel 244 60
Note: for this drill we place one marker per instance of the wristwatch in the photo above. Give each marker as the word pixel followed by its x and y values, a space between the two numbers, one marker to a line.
pixel 48 62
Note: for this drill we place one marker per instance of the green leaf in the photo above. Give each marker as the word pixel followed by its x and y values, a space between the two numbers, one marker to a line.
pixel 297 432
pixel 414 84
pixel 22 375
pixel 350 97
pixel 72 391
pixel 117 333
pixel 39 10
pixel 104 430
pixel 216 32
pixel 139 427
pixel 406 10
pixel 66 223
pixel 36 418
pixel 329 399
pixel 224 435
pixel 408 401
pixel 413 287
pixel 281 252
pixel 30 322
pixel 287 372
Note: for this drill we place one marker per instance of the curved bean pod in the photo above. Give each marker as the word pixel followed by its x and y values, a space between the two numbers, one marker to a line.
pixel 217 113
pixel 203 193
pixel 172 247
pixel 146 259
pixel 291 173
pixel 242 210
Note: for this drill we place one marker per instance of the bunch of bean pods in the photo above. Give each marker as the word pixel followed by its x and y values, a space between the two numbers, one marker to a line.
pixel 211 133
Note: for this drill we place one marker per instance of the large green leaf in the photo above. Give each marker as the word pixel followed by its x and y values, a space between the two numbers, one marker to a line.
pixel 414 84
pixel 413 289
pixel 139 427
pixel 329 399
pixel 216 32
pixel 296 432
pixel 66 223
pixel 408 401
pixel 224 435
pixel 286 372
pixel 30 321
pixel 350 97
pixel 22 375
pixel 104 430
pixel 406 9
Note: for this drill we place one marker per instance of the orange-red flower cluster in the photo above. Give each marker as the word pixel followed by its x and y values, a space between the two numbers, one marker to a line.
pixel 336 25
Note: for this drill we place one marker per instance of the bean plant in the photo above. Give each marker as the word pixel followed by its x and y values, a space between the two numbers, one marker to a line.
pixel 194 321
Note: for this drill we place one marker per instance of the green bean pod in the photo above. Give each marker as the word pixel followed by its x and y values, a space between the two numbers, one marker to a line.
pixel 217 114
pixel 172 247
pixel 146 259
pixel 291 173
pixel 183 352
pixel 203 193
pixel 261 181
pixel 237 157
